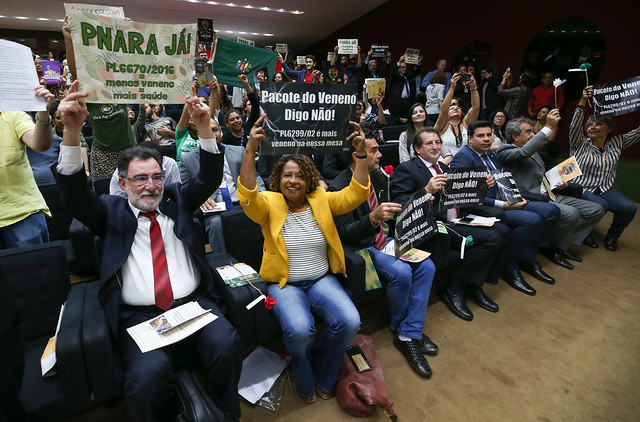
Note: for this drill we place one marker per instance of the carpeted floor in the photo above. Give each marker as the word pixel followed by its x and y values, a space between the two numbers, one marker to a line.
pixel 570 353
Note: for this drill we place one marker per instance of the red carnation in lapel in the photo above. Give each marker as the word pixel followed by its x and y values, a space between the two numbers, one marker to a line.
pixel 388 170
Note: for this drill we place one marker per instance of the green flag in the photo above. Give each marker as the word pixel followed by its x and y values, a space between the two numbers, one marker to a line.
pixel 233 59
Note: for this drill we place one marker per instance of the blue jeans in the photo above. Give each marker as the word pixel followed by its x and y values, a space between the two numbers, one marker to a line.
pixel 317 364
pixel 28 231
pixel 408 288
pixel 623 209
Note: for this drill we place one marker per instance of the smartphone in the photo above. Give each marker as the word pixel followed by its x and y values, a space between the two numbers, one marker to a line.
pixel 466 220
pixel 465 77
pixel 509 69
pixel 358 359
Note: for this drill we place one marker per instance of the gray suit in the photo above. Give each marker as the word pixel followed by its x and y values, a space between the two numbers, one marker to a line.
pixel 577 216
pixel 189 167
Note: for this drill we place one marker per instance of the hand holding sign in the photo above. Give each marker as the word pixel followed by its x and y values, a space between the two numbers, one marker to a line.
pixel 44 92
pixel 385 211
pixel 553 118
pixel 587 93
pixel 436 183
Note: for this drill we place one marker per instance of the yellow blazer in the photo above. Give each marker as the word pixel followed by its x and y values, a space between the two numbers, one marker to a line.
pixel 269 209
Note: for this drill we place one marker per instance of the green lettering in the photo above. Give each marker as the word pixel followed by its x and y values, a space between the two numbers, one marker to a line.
pixel 119 43
pixel 135 39
pixel 152 45
pixel 170 50
pixel 88 31
pixel 104 38
pixel 182 45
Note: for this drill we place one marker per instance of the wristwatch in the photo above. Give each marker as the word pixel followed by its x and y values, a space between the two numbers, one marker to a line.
pixel 47 123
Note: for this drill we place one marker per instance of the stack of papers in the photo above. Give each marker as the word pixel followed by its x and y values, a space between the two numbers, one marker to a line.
pixel 170 327
pixel 476 220
pixel 239 274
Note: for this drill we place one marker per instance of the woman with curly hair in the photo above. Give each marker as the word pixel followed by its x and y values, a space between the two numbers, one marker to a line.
pixel 302 251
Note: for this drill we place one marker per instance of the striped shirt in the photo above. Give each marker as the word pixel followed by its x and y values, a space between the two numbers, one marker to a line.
pixel 306 246
pixel 598 165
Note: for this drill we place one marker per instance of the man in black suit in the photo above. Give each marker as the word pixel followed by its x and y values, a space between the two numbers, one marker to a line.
pixel 370 226
pixel 484 259
pixel 489 99
pixel 401 89
pixel 153 260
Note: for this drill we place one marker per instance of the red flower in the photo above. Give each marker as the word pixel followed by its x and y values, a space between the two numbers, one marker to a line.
pixel 388 170
pixel 269 302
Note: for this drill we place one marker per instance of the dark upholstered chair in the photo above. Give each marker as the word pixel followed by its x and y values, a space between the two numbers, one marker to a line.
pixel 36 280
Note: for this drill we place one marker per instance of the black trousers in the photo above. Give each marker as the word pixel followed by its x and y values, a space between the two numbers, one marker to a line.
pixel 149 376
pixel 484 260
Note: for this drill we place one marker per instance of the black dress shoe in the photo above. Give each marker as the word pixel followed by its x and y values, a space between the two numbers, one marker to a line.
pixel 534 269
pixel 456 304
pixel 514 279
pixel 590 242
pixel 480 298
pixel 428 347
pixel 571 256
pixel 413 353
pixel 610 243
pixel 557 257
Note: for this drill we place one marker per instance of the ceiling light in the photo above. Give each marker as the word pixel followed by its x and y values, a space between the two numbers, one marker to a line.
pixel 246 6
pixel 268 35
pixel 43 19
pixel 20 17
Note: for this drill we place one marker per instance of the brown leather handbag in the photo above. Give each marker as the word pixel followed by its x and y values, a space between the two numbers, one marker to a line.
pixel 360 392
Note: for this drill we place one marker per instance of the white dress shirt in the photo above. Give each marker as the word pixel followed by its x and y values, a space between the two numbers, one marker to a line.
pixel 137 271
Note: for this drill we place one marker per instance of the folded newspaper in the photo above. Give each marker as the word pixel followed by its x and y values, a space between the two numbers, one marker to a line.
pixel 171 326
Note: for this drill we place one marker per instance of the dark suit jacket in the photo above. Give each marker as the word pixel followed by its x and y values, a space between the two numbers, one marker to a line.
pixel 526 166
pixel 396 85
pixel 492 99
pixel 354 227
pixel 110 218
pixel 411 176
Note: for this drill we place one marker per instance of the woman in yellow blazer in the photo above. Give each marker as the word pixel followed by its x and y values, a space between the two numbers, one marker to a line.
pixel 301 252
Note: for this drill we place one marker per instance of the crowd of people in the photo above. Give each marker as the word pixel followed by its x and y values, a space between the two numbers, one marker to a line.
pixel 310 207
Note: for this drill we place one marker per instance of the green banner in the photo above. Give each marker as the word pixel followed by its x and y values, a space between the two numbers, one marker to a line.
pixel 127 62
pixel 233 59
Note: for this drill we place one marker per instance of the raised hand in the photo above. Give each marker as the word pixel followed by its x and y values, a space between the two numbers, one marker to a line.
pixel 257 134
pixel 201 116
pixel 357 138
pixel 73 114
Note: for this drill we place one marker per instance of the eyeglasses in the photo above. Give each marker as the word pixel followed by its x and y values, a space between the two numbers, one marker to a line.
pixel 142 179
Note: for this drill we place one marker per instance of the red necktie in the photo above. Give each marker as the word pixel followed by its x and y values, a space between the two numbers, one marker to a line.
pixel 162 284
pixel 380 238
